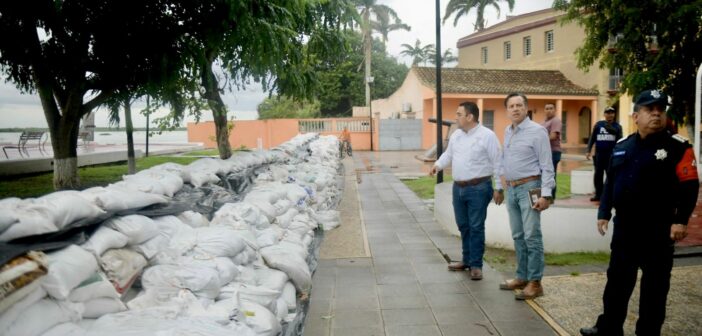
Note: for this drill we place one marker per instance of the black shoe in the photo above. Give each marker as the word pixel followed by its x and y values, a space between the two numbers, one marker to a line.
pixel 589 331
pixel 594 199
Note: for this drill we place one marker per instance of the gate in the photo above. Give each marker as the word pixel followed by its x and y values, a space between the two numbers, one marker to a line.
pixel 400 134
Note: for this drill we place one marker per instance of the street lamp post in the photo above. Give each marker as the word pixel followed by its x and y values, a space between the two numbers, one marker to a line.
pixel 369 81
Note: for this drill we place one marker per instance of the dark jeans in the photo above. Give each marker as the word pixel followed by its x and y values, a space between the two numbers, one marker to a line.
pixel 628 255
pixel 470 209
pixel 556 158
pixel 601 161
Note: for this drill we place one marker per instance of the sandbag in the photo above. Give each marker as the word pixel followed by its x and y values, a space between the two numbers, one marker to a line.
pixel 114 198
pixel 122 266
pixel 193 219
pixel 67 269
pixel 137 228
pixel 20 276
pixel 169 279
pixel 291 263
pixel 260 319
pixel 52 312
pixel 65 329
pixel 104 239
pixel 97 307
pixel 96 286
pixel 12 312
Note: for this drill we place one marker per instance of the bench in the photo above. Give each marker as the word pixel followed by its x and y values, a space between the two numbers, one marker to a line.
pixel 24 139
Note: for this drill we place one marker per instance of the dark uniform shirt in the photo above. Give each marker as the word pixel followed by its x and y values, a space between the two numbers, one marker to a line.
pixel 604 136
pixel 652 183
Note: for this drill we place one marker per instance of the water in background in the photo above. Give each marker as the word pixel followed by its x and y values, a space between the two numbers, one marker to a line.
pixel 115 138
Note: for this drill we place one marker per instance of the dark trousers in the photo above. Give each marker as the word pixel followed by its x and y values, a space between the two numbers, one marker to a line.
pixel 601 160
pixel 556 158
pixel 656 262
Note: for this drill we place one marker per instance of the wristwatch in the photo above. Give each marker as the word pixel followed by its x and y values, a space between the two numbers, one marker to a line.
pixel 548 198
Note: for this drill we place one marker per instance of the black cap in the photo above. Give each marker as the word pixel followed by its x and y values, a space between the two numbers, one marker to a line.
pixel 609 109
pixel 650 97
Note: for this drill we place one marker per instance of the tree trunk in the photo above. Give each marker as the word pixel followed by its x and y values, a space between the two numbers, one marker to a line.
pixel 131 162
pixel 219 110
pixel 368 39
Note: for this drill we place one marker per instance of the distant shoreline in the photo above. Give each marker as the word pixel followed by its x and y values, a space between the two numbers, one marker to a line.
pixel 97 129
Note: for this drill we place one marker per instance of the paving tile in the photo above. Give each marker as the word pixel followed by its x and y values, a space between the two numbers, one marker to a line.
pixel 397 260
pixel 356 318
pixel 321 280
pixel 316 327
pixel 354 262
pixel 436 276
pixel 409 316
pixel 431 289
pixel 450 301
pixel 386 279
pixel 428 259
pixel 355 303
pixel 403 268
pixel 473 329
pixel 395 302
pixel 354 272
pixel 423 253
pixel 365 331
pixel 318 309
pixel 412 330
pixel 419 246
pixel 458 315
pixel 405 289
pixel 524 328
pixel 366 290
pixel 322 292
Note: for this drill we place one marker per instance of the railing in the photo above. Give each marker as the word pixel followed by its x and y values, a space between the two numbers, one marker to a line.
pixel 316 126
pixel 333 125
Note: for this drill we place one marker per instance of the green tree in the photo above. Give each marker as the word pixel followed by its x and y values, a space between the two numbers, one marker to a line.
pixel 446 58
pixel 283 107
pixel 384 27
pixel 659 45
pixel 461 8
pixel 419 53
pixel 77 55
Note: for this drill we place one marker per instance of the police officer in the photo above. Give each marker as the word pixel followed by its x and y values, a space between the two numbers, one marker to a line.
pixel 605 135
pixel 652 183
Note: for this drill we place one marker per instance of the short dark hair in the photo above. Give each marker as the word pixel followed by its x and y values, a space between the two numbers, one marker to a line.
pixel 517 94
pixel 552 104
pixel 471 108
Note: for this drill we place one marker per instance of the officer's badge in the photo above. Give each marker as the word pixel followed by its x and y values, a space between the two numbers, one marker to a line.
pixel 661 154
pixel 655 94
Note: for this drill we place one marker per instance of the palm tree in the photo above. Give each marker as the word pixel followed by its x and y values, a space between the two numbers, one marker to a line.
pixel 419 53
pixel 383 26
pixel 446 58
pixel 462 7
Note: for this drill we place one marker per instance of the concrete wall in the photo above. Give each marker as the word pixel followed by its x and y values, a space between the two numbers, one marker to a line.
pixel 564 229
pixel 410 92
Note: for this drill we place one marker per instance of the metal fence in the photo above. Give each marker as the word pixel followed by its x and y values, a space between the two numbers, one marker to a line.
pixel 333 125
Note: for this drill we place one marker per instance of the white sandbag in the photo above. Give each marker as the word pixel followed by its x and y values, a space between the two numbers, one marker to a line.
pixel 51 313
pixel 225 267
pixel 20 276
pixel 137 228
pixel 31 220
pixel 281 308
pixel 194 219
pixel 97 286
pixel 169 279
pixel 290 296
pixel 100 306
pixel 122 266
pixel 104 239
pixel 217 241
pixel 68 206
pixel 86 323
pixel 67 269
pixel 291 263
pixel 240 211
pixel 271 278
pixel 269 236
pixel 65 329
pixel 7 214
pixel 295 193
pixel 153 246
pixel 201 178
pixel 169 225
pixel 247 275
pixel 261 295
pixel 282 206
pixel 170 182
pixel 245 257
pixel 175 168
pixel 260 319
pixel 264 206
pixel 114 198
pixel 210 165
pixel 285 219
pixel 10 315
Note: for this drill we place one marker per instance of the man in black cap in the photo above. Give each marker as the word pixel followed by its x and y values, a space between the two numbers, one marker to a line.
pixel 604 136
pixel 652 183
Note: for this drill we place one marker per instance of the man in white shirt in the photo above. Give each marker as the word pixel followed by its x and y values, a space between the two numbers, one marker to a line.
pixel 473 152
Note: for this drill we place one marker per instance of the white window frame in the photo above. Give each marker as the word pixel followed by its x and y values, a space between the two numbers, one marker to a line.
pixel 507 50
pixel 526 45
pixel 549 41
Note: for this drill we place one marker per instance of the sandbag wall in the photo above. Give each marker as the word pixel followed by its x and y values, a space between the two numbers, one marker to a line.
pixel 214 247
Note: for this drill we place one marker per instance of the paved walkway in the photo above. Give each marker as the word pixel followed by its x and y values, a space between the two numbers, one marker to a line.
pixel 404 287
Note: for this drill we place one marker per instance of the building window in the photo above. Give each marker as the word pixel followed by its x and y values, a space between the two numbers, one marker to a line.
pixel 484 55
pixel 527 46
pixel 489 119
pixel 508 51
pixel 548 40
pixel 615 79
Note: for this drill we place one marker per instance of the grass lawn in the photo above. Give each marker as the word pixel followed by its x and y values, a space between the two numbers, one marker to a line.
pixel 424 186
pixel 205 152
pixel 100 175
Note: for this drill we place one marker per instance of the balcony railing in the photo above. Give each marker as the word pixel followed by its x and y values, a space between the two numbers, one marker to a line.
pixel 333 125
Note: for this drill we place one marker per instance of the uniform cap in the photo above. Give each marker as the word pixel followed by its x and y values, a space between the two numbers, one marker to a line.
pixel 609 109
pixel 650 97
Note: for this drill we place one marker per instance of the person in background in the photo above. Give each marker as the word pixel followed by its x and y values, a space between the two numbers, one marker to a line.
pixel 473 152
pixel 605 135
pixel 345 138
pixel 553 125
pixel 527 168
pixel 652 183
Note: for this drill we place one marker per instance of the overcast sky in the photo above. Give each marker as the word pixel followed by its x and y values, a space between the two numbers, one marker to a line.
pixel 17 110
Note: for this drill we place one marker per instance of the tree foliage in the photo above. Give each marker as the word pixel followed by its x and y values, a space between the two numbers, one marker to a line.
pixel 283 107
pixel 446 58
pixel 418 52
pixel 461 8
pixel 658 45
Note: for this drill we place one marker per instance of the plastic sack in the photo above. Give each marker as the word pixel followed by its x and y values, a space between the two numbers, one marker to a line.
pixel 51 312
pixel 271 278
pixel 137 228
pixel 104 239
pixel 100 306
pixel 115 199
pixel 122 266
pixel 260 319
pixel 20 276
pixel 65 329
pixel 67 269
pixel 10 315
pixel 217 241
pixel 169 279
pixel 193 219
pixel 292 264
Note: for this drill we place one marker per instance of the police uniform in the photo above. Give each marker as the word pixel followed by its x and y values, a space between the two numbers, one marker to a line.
pixel 652 183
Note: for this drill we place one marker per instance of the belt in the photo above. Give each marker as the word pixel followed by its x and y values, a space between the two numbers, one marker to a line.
pixel 523 180
pixel 472 182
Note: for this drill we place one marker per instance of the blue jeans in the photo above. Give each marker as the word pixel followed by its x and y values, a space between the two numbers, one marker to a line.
pixel 470 208
pixel 555 158
pixel 525 223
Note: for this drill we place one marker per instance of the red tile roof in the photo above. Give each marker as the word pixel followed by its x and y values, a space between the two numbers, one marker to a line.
pixel 492 81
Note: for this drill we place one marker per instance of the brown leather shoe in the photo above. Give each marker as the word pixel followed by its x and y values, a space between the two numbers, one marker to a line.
pixel 457 266
pixel 476 274
pixel 532 290
pixel 513 284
